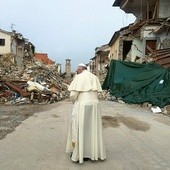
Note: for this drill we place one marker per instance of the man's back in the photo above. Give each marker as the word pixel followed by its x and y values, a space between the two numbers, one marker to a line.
pixel 85 81
pixel 85 138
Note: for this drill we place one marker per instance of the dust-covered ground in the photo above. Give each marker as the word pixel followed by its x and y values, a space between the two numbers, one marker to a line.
pixel 12 115
pixel 130 122
pixel 135 138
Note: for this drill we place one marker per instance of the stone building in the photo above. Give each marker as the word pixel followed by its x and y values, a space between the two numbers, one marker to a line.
pixel 68 68
pixel 13 43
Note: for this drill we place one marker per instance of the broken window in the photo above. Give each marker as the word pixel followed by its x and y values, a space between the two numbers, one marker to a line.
pixel 2 42
pixel 150 46
pixel 126 48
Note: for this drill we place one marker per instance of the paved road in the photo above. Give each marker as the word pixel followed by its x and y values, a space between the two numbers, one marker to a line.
pixel 135 138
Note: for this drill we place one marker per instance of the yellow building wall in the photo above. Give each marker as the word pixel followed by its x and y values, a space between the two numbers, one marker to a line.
pixel 114 50
pixel 7 48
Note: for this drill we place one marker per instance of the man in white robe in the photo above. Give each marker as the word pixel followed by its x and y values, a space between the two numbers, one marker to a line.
pixel 85 137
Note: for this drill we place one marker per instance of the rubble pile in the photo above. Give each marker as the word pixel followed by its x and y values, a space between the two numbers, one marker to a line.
pixel 34 83
pixel 7 66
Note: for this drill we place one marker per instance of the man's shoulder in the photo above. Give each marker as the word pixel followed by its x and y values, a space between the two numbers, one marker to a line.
pixel 86 74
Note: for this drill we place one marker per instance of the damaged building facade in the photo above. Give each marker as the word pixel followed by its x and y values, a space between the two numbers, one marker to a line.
pixel 17 48
pixel 100 61
pixel 148 38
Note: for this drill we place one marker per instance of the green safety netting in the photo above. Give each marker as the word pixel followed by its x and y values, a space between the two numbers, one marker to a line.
pixel 138 83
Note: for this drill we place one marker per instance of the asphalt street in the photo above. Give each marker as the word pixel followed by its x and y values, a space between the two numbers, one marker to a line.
pixel 135 138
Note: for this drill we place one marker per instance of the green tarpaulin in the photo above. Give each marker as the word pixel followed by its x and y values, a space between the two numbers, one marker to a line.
pixel 139 83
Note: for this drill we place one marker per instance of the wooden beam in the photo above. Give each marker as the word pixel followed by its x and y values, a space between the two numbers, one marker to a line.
pixel 125 4
pixel 17 89
pixel 147 9
pixel 155 14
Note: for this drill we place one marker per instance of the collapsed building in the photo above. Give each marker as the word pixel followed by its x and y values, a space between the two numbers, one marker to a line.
pixel 17 48
pixel 144 41
pixel 139 55
pixel 148 38
pixel 100 61
pixel 26 76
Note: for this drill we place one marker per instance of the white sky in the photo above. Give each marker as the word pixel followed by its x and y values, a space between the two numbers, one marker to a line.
pixel 64 28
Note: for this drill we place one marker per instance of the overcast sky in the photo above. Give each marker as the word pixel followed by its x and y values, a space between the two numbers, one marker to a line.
pixel 64 28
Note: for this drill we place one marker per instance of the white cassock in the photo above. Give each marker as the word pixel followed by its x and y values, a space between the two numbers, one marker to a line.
pixel 85 137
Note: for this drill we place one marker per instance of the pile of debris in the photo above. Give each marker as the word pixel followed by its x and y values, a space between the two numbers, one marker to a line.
pixel 34 83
